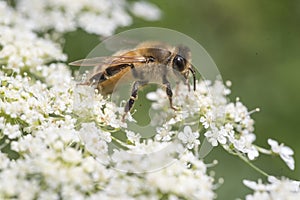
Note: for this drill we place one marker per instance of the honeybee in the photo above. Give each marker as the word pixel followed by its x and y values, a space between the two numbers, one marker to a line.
pixel 147 62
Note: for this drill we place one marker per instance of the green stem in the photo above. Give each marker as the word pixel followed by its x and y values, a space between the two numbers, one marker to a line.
pixel 241 156
pixel 251 164
pixel 263 150
pixel 3 145
pixel 118 141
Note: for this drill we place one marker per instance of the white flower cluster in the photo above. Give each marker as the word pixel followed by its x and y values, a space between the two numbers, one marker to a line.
pixel 26 50
pixel 182 180
pixel 222 122
pixel 275 189
pixel 100 17
pixel 9 17
pixel 21 50
pixel 43 116
pixel 59 140
pixel 31 104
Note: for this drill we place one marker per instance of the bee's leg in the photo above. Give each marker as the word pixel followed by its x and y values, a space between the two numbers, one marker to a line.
pixel 138 75
pixel 133 96
pixel 169 92
pixel 186 81
pixel 134 71
pixel 187 84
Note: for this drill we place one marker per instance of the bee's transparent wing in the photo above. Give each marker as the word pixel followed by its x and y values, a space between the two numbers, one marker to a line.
pixel 111 60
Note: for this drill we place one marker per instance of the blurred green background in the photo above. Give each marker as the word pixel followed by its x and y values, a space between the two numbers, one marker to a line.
pixel 256 45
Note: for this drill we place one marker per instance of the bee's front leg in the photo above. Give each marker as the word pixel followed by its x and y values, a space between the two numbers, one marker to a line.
pixel 186 81
pixel 133 96
pixel 169 92
pixel 188 84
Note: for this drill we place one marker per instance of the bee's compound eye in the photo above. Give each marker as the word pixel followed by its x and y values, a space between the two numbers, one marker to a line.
pixel 179 63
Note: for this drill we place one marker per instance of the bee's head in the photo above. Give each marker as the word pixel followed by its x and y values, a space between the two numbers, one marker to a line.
pixel 181 60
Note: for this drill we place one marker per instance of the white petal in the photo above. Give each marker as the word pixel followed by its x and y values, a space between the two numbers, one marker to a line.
pixel 290 162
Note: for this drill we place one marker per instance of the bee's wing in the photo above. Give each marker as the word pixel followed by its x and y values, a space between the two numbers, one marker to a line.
pixel 109 61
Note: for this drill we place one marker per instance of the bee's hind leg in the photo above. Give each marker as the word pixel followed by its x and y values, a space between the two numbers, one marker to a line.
pixel 133 96
pixel 169 92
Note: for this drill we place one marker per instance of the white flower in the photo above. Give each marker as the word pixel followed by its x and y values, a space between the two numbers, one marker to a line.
pixel 275 189
pixel 4 161
pixel 208 119
pixel 26 49
pixel 9 17
pixel 72 156
pixel 252 152
pixel 12 131
pixel 90 133
pixel 257 186
pixel 164 133
pixel 285 184
pixel 42 114
pixel 174 179
pixel 95 16
pixel 109 116
pixel 244 144
pixel 215 136
pixel 83 100
pixel 188 137
pixel 159 97
pixel 286 153
pixel 146 10
pixel 133 137
pixel 224 122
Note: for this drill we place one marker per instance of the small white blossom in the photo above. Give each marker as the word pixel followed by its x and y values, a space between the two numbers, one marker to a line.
pixel 146 10
pixel 189 137
pixel 286 153
pixel 164 133
pixel 252 153
pixel 275 189
pixel 89 132
pixel 71 155
pixel 204 123
pixel 133 137
pixel 4 161
pixel 12 131
pixel 159 97
pixel 215 136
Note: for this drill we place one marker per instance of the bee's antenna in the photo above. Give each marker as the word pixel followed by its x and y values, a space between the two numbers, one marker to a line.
pixel 194 75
